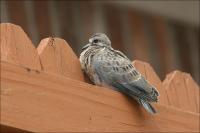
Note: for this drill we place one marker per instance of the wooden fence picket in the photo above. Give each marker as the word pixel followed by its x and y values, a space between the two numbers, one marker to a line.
pixel 57 57
pixel 180 90
pixel 192 91
pixel 44 90
pixel 17 48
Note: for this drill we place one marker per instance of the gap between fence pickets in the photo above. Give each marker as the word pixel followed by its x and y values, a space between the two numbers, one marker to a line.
pixel 54 55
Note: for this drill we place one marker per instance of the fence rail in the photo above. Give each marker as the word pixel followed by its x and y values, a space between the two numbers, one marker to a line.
pixel 44 90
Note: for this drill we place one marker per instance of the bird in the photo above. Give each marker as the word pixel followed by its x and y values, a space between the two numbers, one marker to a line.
pixel 111 68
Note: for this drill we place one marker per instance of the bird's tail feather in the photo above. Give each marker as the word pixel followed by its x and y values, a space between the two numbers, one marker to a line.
pixel 147 106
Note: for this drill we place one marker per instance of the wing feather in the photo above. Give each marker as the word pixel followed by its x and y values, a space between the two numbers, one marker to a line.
pixel 118 71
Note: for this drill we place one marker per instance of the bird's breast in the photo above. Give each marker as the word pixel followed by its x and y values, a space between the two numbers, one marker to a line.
pixel 86 59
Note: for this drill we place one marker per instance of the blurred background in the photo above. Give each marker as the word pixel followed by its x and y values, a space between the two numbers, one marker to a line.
pixel 163 33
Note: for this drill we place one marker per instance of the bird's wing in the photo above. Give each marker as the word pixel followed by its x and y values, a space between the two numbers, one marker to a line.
pixel 117 70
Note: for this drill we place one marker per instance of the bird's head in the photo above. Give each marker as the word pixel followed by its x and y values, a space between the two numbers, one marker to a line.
pixel 98 39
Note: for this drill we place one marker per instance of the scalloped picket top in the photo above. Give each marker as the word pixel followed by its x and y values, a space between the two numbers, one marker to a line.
pixel 56 56
pixel 17 48
pixel 44 90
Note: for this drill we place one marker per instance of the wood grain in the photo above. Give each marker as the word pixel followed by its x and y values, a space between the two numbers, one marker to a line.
pixel 193 92
pixel 43 91
pixel 57 57
pixel 17 48
pixel 181 91
pixel 41 102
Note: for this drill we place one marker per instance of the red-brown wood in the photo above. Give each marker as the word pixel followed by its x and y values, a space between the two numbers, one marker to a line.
pixel 17 48
pixel 182 91
pixel 42 102
pixel 57 57
pixel 55 98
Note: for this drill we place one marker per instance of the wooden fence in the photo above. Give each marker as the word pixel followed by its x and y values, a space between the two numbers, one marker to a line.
pixel 44 90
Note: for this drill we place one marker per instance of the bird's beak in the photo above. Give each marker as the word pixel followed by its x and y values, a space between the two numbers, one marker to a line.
pixel 86 46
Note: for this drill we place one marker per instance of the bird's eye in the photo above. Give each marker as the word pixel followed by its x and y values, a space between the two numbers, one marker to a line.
pixel 95 41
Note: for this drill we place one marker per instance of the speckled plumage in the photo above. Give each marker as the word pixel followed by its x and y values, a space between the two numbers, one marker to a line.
pixel 111 68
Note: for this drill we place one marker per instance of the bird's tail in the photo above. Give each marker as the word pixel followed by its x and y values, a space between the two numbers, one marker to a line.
pixel 147 106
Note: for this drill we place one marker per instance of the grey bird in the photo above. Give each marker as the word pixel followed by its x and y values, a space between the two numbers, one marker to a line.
pixel 111 68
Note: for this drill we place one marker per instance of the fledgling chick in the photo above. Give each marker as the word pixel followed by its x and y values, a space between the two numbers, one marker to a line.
pixel 111 68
